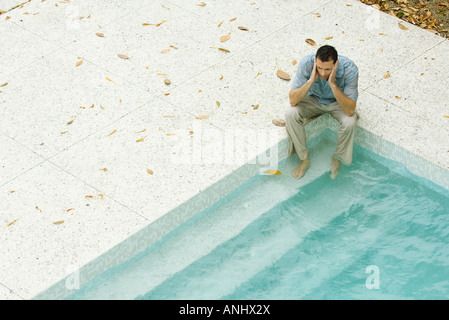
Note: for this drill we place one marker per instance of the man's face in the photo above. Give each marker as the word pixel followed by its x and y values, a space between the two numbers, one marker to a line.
pixel 324 68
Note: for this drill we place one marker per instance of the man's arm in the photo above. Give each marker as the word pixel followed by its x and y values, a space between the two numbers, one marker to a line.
pixel 347 104
pixel 296 95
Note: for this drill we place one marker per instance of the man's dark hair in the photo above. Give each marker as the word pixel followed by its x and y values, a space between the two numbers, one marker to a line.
pixel 326 53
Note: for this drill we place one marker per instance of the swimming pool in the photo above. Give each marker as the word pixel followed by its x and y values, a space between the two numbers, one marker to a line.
pixel 375 232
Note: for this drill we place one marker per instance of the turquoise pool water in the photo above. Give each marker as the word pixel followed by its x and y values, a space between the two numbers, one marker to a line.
pixel 375 232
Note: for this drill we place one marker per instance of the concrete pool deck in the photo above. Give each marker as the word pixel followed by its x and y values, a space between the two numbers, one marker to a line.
pixel 90 141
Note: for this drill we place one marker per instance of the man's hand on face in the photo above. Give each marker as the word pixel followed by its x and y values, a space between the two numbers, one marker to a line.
pixel 333 74
pixel 314 75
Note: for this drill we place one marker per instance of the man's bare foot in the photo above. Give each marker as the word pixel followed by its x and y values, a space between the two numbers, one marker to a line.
pixel 299 171
pixel 335 167
pixel 278 122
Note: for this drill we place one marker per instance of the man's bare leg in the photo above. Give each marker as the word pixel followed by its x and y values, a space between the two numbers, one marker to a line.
pixel 335 167
pixel 299 171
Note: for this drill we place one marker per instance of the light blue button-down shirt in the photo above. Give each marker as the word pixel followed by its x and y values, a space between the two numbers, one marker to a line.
pixel 346 79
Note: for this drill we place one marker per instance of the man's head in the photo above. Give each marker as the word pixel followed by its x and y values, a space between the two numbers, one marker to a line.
pixel 326 57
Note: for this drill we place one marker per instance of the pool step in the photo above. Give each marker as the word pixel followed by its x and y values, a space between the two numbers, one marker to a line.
pixel 141 275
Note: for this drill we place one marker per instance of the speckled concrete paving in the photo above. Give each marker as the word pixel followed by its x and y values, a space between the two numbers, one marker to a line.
pixel 87 138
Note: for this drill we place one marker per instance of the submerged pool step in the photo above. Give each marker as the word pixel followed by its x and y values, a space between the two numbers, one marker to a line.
pixel 194 241
pixel 261 246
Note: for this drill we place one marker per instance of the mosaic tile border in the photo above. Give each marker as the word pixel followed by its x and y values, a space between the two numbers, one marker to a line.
pixel 156 230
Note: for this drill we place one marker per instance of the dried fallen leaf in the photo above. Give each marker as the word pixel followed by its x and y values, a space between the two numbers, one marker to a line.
pixel 123 56
pixel 12 222
pixel 202 117
pixel 328 38
pixel 142 130
pixel 218 103
pixel 202 4
pixel 283 75
pixel 141 139
pixel 311 43
pixel 68 210
pixel 272 172
pixel 165 50
pixel 78 63
pixel 225 38
pixel 402 26
pixel 223 49
pixel 4 84
pixel 112 132
pixel 109 79
pixel 149 171
pixel 71 121
pixel 59 222
pixel 387 75
pixel 255 107
pixel 166 81
pixel 100 35
pixel 243 28
pixel 446 116
pixel 104 169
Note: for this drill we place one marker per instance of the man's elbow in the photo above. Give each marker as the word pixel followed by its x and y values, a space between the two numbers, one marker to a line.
pixel 351 112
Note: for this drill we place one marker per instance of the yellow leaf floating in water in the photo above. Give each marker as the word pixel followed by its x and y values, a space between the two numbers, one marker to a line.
pixel 273 172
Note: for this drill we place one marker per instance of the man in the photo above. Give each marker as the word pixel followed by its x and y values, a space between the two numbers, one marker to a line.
pixel 325 83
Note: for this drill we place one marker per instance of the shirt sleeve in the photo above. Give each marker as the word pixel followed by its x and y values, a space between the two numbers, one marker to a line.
pixel 303 73
pixel 351 83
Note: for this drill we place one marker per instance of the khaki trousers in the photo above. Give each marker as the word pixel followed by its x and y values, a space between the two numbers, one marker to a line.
pixel 298 116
